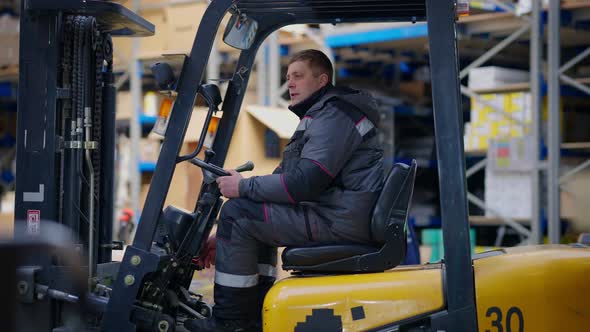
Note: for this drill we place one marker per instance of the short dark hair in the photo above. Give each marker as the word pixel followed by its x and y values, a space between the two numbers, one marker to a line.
pixel 317 60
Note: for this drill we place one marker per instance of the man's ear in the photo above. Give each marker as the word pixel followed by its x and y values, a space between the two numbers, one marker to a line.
pixel 324 79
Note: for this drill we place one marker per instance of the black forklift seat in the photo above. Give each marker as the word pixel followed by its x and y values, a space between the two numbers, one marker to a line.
pixel 388 231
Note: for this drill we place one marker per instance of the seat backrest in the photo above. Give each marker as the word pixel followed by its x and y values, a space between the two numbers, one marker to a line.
pixel 393 204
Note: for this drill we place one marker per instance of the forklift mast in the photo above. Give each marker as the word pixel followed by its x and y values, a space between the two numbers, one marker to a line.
pixel 66 134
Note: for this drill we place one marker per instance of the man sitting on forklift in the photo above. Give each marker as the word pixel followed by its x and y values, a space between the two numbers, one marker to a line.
pixel 323 192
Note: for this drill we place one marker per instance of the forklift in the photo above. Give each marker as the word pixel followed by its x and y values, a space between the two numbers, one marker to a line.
pixel 64 279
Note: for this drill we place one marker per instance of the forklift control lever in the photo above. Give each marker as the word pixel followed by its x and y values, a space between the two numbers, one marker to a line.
pixel 248 166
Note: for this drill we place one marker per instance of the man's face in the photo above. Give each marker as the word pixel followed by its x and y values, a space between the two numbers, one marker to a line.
pixel 302 82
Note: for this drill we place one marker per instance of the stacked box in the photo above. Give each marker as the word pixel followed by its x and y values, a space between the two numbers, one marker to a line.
pixel 9 35
pixel 486 123
pixel 175 30
pixel 492 77
pixel 509 193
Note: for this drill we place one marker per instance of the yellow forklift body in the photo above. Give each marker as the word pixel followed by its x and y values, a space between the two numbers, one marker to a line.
pixel 536 288
pixel 362 301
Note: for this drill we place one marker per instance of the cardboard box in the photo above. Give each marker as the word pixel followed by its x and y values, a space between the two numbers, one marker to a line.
pixel 158 43
pixel 177 195
pixel 6 225
pixel 7 215
pixel 182 24
pixel 153 46
pixel 493 77
pixel 124 109
pixel 143 194
pixel 154 11
pixel 509 193
pixel 415 89
pixel 121 52
pixel 9 35
pixel 525 6
pixel 7 203
pixel 513 110
pixel 175 30
pixel 575 197
pixel 9 49
pixel 567 201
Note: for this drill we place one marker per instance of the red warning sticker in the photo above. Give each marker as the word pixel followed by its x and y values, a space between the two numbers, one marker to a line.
pixel 33 222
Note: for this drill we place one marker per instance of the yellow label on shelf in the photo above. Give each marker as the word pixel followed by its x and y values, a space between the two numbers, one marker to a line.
pixel 494 129
pixel 482 143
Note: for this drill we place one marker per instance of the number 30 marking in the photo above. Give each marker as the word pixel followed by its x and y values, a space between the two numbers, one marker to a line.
pixel 497 321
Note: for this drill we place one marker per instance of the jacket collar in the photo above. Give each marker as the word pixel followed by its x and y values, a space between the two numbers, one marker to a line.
pixel 303 106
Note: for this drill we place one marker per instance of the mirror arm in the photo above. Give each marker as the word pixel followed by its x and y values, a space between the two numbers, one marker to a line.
pixel 233 9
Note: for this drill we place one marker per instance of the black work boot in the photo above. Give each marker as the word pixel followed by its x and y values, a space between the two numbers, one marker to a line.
pixel 233 312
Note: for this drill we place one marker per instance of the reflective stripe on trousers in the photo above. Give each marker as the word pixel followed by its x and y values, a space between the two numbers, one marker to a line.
pixel 244 281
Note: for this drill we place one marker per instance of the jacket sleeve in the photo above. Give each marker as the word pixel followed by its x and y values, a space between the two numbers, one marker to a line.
pixel 331 138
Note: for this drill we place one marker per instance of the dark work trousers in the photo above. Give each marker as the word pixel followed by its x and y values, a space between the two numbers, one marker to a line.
pixel 248 235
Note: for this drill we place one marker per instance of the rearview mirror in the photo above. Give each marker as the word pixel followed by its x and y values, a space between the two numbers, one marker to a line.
pixel 240 31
